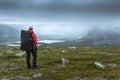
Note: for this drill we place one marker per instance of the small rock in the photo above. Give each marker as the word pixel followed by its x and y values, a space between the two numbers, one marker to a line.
pixel 99 65
pixel 53 71
pixel 63 51
pixel 37 75
pixel 20 54
pixel 1 54
pixel 64 61
pixel 8 52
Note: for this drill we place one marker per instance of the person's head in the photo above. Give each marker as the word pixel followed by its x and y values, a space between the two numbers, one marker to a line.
pixel 30 28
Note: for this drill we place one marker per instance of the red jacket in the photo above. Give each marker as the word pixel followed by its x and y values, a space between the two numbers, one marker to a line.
pixel 34 38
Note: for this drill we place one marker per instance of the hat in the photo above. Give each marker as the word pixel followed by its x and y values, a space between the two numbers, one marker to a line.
pixel 31 27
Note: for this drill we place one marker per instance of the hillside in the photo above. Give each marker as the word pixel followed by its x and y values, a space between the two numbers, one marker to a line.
pixel 101 37
pixel 62 64
pixel 8 33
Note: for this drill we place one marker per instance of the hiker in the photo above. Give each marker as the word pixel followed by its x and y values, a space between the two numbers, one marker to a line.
pixel 30 45
pixel 34 50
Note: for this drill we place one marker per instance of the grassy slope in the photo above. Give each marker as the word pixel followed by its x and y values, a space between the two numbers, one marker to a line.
pixel 80 65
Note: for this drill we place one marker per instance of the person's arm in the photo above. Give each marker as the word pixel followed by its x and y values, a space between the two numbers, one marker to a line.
pixel 35 40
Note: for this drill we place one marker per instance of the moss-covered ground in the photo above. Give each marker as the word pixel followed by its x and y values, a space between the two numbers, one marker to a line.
pixel 80 65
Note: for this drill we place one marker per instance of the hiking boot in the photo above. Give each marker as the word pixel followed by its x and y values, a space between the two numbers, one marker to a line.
pixel 34 67
pixel 29 66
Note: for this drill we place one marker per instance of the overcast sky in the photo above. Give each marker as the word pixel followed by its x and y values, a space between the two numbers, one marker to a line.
pixel 60 11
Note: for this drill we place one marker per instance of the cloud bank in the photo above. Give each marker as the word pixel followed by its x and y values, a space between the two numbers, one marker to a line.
pixel 78 11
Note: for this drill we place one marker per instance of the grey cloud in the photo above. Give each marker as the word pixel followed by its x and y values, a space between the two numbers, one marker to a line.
pixel 61 5
pixel 9 4
pixel 49 9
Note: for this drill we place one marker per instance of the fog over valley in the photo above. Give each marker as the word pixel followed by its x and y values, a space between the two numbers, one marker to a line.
pixel 63 34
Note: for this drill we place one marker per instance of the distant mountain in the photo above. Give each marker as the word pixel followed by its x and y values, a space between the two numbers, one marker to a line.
pixel 8 33
pixel 96 37
pixel 101 37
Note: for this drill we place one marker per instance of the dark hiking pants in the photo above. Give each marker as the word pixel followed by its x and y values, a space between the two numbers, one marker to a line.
pixel 34 54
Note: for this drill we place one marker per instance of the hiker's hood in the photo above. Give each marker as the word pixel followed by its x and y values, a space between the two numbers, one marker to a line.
pixel 30 30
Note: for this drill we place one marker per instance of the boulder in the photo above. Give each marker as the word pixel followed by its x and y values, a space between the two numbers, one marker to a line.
pixel 37 75
pixel 20 54
pixel 99 65
pixel 64 61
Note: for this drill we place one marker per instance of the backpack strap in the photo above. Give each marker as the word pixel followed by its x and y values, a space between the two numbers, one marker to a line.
pixel 31 33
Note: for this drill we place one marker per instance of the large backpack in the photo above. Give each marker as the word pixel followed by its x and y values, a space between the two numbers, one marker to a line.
pixel 26 41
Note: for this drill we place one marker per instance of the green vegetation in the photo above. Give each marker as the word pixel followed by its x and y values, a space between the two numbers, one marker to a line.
pixel 80 65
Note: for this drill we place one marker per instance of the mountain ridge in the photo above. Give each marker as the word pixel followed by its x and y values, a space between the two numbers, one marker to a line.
pixel 8 33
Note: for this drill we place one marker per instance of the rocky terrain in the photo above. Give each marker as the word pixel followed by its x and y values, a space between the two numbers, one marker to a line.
pixel 70 63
